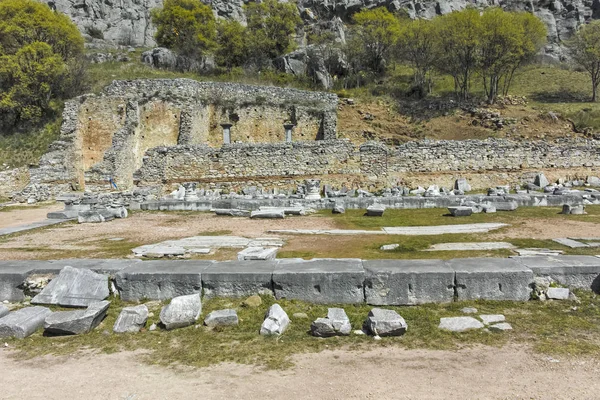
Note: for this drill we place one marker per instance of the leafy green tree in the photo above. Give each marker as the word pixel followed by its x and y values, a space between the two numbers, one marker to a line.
pixel 231 40
pixel 185 26
pixel 417 45
pixel 270 28
pixel 375 32
pixel 584 48
pixel 41 61
pixel 459 35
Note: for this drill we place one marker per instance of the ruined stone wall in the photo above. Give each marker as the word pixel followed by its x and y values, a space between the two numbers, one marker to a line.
pixel 12 180
pixel 104 137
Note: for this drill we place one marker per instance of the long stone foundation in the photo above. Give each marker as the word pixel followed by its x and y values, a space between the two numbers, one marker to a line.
pixel 348 281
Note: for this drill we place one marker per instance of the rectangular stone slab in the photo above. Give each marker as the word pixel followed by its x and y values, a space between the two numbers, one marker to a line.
pixel 12 275
pixel 74 287
pixel 406 282
pixel 491 279
pixel 160 280
pixel 238 278
pixel 320 280
pixel 23 322
pixel 579 272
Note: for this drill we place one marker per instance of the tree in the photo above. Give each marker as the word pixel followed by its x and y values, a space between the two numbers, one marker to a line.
pixel 270 26
pixel 231 40
pixel 375 32
pixel 185 26
pixel 459 35
pixel 41 59
pixel 417 45
pixel 584 48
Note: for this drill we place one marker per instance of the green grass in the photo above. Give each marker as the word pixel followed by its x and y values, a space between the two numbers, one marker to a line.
pixel 21 149
pixel 553 328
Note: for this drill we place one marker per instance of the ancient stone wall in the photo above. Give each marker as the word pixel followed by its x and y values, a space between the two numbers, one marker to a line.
pixel 105 137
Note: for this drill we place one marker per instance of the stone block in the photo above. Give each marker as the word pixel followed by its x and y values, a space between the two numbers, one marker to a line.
pixel 337 323
pixel 375 210
pixel 577 272
pixel 381 322
pixel 160 280
pixel 12 276
pixel 23 322
pixel 74 287
pixel 460 211
pixel 221 318
pixel 131 319
pixel 501 327
pixel 320 280
pixel 257 253
pixel 76 322
pixel 491 279
pixel 273 214
pixel 276 321
pixel 238 278
pixel 558 293
pixel 232 212
pixel 403 282
pixel 182 311
pixel 489 319
pixel 505 205
pixel 459 324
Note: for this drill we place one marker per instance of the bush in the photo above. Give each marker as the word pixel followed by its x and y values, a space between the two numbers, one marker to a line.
pixel 41 61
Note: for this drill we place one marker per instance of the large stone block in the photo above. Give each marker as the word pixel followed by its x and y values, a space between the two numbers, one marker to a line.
pixel 160 280
pixel 12 275
pixel 182 311
pixel 321 280
pixel 238 278
pixel 381 322
pixel 131 319
pixel 76 322
pixel 403 282
pixel 491 279
pixel 578 272
pixel 23 322
pixel 74 287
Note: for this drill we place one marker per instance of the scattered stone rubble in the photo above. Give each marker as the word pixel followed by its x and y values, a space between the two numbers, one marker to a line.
pixel 337 323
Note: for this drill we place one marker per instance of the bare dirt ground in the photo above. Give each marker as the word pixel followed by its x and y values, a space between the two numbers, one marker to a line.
pixel 542 228
pixel 511 372
pixel 20 216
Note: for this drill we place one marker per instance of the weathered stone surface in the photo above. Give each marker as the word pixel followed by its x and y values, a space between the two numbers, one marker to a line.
pixel 558 293
pixel 252 301
pixel 381 322
pixel 232 212
pixel 273 214
pixel 375 210
pixel 443 229
pixel 3 311
pixel 76 322
pixel 160 280
pixel 336 323
pixel 459 324
pixel 23 322
pixel 572 209
pixel 400 282
pixel 94 216
pixel 257 253
pixel 505 205
pixel 501 327
pixel 578 272
pixel 74 287
pixel 338 208
pixel 470 246
pixel 319 280
pixel 491 279
pixel 574 244
pixel 221 318
pixel 489 319
pixel 541 180
pixel 460 211
pixel 238 278
pixel 462 184
pixel 182 311
pixel 131 319
pixel 469 310
pixel 276 321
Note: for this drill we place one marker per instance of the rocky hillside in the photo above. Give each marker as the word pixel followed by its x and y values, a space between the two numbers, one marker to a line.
pixel 127 22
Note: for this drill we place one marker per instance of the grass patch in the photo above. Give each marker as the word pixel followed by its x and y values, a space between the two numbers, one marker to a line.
pixel 556 328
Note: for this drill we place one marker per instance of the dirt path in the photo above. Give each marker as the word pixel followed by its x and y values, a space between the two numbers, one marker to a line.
pixel 390 373
pixel 9 219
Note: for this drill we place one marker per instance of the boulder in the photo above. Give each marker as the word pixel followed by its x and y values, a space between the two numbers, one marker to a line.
pixel 569 209
pixel 459 324
pixel 131 319
pixel 272 214
pixel 593 181
pixel 338 208
pixel 460 211
pixel 336 324
pixel 541 180
pixel 461 184
pixel 375 210
pixel 74 287
pixel 182 311
pixel 23 322
pixel 382 322
pixel 276 321
pixel 221 318
pixel 252 301
pixel 76 322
